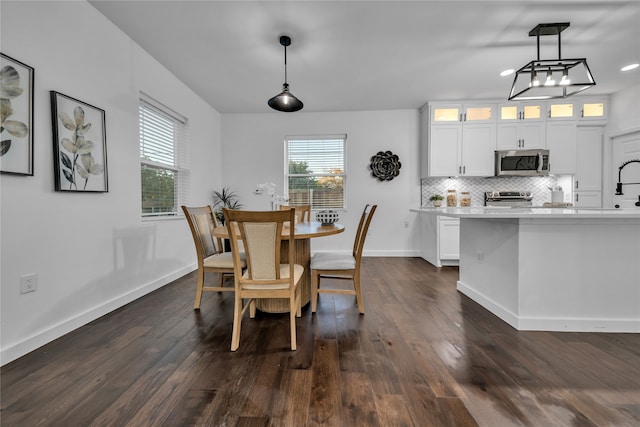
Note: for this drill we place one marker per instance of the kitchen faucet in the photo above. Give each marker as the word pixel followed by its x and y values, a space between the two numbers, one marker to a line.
pixel 620 184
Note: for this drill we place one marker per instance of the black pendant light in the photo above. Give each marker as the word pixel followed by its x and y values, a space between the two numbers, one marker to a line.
pixel 551 78
pixel 285 101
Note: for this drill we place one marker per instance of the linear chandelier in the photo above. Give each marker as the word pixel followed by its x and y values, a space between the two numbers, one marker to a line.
pixel 285 101
pixel 551 78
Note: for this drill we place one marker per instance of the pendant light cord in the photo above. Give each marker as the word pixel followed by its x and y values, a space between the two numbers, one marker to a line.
pixel 285 64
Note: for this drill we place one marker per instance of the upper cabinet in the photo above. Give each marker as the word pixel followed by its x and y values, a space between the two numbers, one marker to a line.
pixel 520 126
pixel 561 110
pixel 462 113
pixel 593 109
pixel 582 109
pixel 525 111
pixel 561 143
pixel 460 139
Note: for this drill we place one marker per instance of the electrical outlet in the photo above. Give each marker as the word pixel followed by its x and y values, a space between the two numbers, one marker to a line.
pixel 28 283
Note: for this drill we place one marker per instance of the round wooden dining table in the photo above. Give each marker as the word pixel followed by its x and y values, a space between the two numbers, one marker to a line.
pixel 304 232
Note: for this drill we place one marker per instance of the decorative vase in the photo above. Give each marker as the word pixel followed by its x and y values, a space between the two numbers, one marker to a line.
pixel 327 217
pixel 437 203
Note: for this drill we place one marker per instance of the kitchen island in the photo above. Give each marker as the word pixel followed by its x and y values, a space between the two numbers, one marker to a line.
pixel 553 269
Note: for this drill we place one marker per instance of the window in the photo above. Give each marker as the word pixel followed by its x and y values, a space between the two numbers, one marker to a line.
pixel 164 175
pixel 316 171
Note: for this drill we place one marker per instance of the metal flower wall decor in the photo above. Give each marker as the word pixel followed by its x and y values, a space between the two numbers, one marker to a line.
pixel 385 166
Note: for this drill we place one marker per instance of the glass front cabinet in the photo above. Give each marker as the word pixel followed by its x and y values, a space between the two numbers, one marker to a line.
pixel 520 126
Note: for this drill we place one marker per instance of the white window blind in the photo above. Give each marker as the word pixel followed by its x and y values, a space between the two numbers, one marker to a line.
pixel 163 159
pixel 316 171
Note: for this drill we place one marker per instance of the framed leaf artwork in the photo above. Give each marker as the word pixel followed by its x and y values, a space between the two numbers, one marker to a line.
pixel 16 117
pixel 79 145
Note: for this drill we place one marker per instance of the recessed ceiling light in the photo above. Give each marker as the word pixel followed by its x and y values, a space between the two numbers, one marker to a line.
pixel 507 72
pixel 630 67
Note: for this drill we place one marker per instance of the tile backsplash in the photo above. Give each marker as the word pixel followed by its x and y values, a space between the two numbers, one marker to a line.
pixel 477 186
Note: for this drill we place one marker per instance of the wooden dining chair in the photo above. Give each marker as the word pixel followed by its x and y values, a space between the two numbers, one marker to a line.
pixel 329 265
pixel 303 212
pixel 209 250
pixel 265 276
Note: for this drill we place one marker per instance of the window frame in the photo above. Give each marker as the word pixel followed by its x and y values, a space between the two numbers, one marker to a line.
pixel 180 164
pixel 322 137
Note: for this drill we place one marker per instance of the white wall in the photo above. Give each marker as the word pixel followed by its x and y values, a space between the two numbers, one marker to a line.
pixel 624 119
pixel 624 111
pixel 253 152
pixel 92 252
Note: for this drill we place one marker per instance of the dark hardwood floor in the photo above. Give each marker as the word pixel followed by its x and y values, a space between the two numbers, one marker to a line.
pixel 422 355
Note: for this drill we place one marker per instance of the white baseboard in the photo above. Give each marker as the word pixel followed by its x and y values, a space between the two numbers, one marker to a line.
pixel 35 341
pixel 552 324
pixel 579 325
pixel 495 308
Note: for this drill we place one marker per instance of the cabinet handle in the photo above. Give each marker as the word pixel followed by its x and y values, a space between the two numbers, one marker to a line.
pixel 465 117
pixel 549 113
pixel 459 169
pixel 577 181
pixel 460 116
pixel 464 170
pixel 576 197
pixel 582 113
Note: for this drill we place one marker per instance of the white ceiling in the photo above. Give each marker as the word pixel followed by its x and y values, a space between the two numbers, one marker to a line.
pixel 372 55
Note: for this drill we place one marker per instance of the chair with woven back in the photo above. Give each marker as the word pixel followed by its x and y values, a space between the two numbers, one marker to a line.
pixel 338 266
pixel 303 212
pixel 261 233
pixel 209 250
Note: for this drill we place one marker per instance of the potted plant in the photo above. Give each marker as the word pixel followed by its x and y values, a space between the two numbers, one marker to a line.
pixel 224 199
pixel 436 200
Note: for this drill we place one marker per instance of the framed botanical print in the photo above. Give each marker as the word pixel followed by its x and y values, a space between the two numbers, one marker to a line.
pixel 16 117
pixel 79 145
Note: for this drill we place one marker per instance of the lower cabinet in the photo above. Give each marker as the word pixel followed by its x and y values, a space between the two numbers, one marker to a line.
pixel 440 240
pixel 449 229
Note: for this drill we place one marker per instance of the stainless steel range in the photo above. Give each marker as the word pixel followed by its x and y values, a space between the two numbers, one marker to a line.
pixel 510 199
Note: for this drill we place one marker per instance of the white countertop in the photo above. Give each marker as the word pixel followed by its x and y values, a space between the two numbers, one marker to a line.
pixel 533 212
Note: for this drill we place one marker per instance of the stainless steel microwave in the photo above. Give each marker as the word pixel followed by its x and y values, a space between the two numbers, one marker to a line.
pixel 522 163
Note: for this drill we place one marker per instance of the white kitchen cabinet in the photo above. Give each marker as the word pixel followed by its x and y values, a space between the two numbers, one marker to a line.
pixel 443 158
pixel 440 239
pixel 520 135
pixel 561 110
pixel 521 111
pixel 561 143
pixel 460 138
pixel 588 159
pixel 592 110
pixel 477 150
pixel 520 126
pixel 587 182
pixel 449 239
pixel 587 199
pixel 463 148
pixel 442 114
